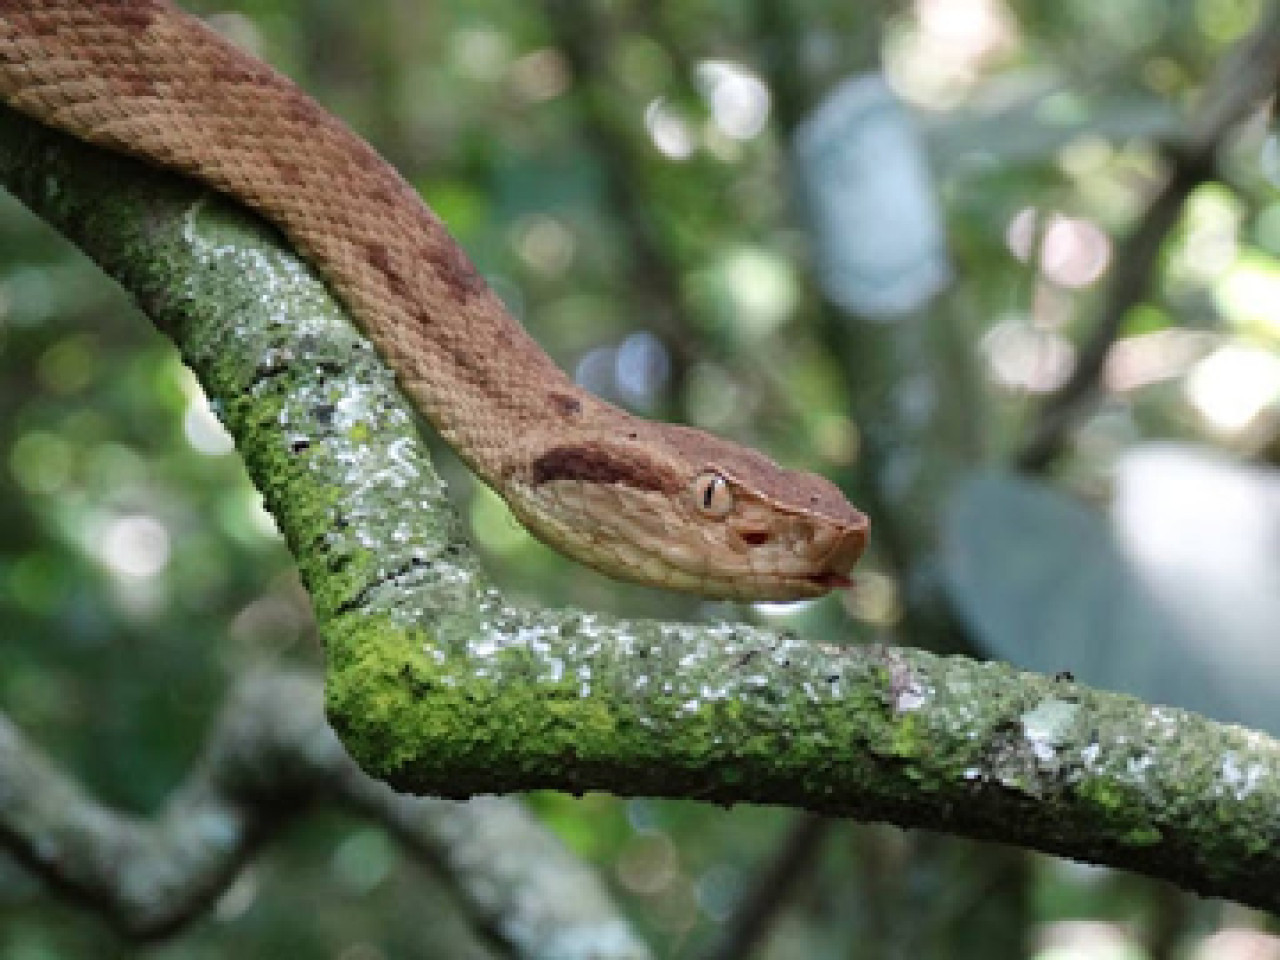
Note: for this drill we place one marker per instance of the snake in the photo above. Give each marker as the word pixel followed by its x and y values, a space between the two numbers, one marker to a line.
pixel 660 504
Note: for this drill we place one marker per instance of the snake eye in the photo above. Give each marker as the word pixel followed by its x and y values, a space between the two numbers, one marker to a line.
pixel 711 494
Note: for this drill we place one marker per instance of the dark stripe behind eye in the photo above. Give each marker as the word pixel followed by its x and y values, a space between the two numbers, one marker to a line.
pixel 593 463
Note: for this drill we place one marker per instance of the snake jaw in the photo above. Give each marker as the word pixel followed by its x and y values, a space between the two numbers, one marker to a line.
pixel 831 581
pixel 847 547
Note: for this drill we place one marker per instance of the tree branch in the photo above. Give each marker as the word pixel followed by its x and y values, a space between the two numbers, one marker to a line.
pixel 771 888
pixel 439 687
pixel 1244 78
pixel 270 756
pixel 655 278
pixel 587 41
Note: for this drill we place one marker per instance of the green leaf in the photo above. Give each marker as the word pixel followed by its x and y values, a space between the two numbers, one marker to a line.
pixel 1175 598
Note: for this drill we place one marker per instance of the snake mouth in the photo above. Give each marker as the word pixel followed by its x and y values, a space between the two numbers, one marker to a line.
pixel 830 580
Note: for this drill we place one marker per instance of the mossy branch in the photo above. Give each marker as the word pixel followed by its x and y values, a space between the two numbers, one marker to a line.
pixel 438 686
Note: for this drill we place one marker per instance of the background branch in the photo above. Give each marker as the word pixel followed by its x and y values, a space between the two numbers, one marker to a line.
pixel 269 759
pixel 655 276
pixel 1247 75
pixel 589 40
pixel 771 887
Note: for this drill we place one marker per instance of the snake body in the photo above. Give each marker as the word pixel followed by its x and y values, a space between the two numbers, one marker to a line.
pixel 657 503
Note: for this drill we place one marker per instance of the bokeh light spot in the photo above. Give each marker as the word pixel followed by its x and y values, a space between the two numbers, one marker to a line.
pixel 669 130
pixel 545 244
pixel 69 365
pixel 363 860
pixel 739 101
pixel 133 546
pixel 40 462
pixel 205 432
pixel 1024 357
pixel 1234 384
pixel 647 864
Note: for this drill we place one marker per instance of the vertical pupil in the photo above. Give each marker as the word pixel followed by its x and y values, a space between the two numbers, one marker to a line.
pixel 707 493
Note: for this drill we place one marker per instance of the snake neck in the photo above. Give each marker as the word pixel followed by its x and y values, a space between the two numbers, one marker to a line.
pixel 143 78
pixel 190 102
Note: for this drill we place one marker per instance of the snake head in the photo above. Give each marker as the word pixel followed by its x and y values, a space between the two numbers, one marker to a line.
pixel 673 507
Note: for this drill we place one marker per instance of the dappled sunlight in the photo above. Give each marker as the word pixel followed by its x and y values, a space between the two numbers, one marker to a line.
pixel 738 99
pixel 1233 385
pixel 635 372
pixel 480 52
pixel 1025 357
pixel 1237 943
pixel 935 63
pixel 41 462
pixel 539 76
pixel 1086 940
pixel 1148 358
pixel 132 546
pixel 1210 239
pixel 204 431
pixel 641 369
pixel 875 599
pixel 647 864
pixel 545 244
pixel 714 398
pixel 1200 532
pixel 1248 293
pixel 670 131
pixel 761 289
pixel 1072 251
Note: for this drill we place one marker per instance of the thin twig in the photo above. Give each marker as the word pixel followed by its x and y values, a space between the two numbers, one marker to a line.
pixel 579 34
pixel 1246 76
pixel 771 888
pixel 587 41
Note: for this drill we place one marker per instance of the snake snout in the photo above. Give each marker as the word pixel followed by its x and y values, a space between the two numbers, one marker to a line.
pixel 848 549
pixel 843 548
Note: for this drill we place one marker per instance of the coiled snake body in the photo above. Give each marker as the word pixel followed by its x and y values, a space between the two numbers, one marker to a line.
pixel 657 503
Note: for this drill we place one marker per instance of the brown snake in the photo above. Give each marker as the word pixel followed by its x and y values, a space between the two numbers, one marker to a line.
pixel 657 503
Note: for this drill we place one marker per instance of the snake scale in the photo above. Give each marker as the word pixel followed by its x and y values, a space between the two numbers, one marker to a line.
pixel 657 503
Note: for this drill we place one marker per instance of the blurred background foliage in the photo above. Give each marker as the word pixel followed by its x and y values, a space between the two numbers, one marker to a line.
pixel 622 173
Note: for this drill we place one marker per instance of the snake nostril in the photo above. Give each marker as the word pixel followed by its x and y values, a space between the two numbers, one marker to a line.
pixel 755 538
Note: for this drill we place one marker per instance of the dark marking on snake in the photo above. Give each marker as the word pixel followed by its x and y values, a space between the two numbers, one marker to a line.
pixel 289 172
pixel 567 406
pixel 299 109
pixel 136 83
pixel 454 270
pixel 593 463
pixel 131 15
pixel 380 259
